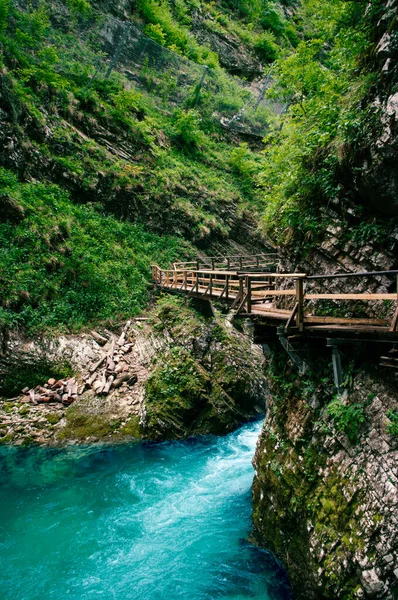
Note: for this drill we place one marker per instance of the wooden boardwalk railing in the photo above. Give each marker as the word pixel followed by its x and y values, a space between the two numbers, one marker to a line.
pixel 232 263
pixel 260 294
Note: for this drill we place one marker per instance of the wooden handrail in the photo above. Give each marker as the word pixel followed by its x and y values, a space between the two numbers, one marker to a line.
pixel 253 293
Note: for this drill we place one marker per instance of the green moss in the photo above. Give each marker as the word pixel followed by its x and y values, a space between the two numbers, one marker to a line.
pixel 131 428
pixel 81 424
pixel 53 418
pixel 29 441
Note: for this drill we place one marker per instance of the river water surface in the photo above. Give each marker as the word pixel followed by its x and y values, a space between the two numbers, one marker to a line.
pixel 161 521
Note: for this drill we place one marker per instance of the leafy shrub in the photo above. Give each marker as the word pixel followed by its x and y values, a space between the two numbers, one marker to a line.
pixel 186 128
pixel 265 47
pixel 347 417
pixel 156 33
pixel 128 101
pixel 272 20
pixel 80 8
pixel 392 427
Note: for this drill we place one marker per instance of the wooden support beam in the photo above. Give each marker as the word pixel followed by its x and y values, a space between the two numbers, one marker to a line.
pixel 292 315
pixel 394 321
pixel 300 304
pixel 249 295
pixel 224 290
pixel 241 305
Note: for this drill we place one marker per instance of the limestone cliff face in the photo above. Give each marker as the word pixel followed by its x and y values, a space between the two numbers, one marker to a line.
pixel 324 494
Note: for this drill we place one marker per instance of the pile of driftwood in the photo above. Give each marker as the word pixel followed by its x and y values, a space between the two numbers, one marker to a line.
pixel 63 390
pixel 112 369
pixel 108 373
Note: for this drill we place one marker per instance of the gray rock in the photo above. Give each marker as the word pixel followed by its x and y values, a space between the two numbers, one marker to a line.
pixel 371 582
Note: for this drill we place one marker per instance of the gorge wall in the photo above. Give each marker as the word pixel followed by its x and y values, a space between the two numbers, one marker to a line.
pixel 325 490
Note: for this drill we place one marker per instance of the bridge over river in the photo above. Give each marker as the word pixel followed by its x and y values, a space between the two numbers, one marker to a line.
pixel 296 307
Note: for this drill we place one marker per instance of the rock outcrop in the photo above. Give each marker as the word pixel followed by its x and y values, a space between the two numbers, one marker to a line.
pixel 325 490
pixel 170 375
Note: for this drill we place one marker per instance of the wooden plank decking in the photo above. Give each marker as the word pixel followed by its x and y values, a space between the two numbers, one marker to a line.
pixel 288 299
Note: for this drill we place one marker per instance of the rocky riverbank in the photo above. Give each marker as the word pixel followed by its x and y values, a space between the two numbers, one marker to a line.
pixel 166 376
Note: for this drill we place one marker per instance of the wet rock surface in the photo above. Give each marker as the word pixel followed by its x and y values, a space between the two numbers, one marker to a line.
pixel 325 504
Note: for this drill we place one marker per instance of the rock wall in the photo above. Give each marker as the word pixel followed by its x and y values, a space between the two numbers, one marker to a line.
pixel 325 494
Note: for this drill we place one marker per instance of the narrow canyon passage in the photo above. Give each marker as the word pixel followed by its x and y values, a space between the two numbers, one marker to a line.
pixel 145 522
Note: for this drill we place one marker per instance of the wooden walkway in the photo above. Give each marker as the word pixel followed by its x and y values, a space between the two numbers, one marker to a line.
pixel 291 300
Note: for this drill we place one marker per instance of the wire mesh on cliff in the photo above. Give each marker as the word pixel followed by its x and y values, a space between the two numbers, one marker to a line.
pixel 173 81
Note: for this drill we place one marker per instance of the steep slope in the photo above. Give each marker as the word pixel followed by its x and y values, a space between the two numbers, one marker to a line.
pixel 85 157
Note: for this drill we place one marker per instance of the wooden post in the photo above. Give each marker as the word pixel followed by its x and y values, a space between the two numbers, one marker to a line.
pixel 227 286
pixel 212 264
pixel 241 292
pixel 258 260
pixel 185 280
pixel 240 261
pixel 228 264
pixel 249 294
pixel 211 284
pixel 197 265
pixel 167 279
pixel 300 304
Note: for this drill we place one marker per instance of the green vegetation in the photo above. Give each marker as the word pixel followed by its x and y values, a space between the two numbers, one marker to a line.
pixel 81 221
pixel 392 427
pixel 347 417
pixel 327 79
pixel 65 265
pixel 53 418
pixel 29 370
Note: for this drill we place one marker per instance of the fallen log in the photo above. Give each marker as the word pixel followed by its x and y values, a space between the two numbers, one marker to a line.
pixel 108 385
pixel 118 382
pixel 97 364
pixel 100 339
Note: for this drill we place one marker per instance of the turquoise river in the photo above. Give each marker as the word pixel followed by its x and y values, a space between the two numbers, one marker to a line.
pixel 164 521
